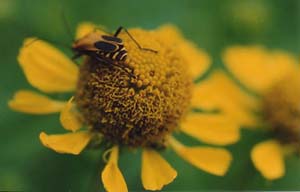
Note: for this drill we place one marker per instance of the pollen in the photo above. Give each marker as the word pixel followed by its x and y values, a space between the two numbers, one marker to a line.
pixel 282 109
pixel 138 102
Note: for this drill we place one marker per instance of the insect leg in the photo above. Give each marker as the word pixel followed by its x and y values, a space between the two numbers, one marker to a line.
pixel 76 56
pixel 131 37
pixel 110 64
pixel 104 61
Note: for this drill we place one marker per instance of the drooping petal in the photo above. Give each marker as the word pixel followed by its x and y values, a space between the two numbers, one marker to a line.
pixel 213 129
pixel 257 67
pixel 219 92
pixel 72 143
pixel 213 160
pixel 268 159
pixel 69 117
pixel 46 68
pixel 156 172
pixel 197 60
pixel 34 103
pixel 112 177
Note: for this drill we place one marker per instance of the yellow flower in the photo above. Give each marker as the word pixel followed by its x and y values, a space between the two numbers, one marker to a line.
pixel 273 77
pixel 138 104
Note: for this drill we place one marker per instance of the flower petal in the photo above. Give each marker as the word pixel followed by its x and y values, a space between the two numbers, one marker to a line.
pixel 267 67
pixel 212 129
pixel 112 177
pixel 219 92
pixel 69 117
pixel 84 29
pixel 87 27
pixel 268 159
pixel 72 143
pixel 156 172
pixel 197 59
pixel 210 159
pixel 46 68
pixel 34 103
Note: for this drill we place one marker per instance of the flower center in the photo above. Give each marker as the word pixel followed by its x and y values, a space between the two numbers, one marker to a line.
pixel 282 109
pixel 141 101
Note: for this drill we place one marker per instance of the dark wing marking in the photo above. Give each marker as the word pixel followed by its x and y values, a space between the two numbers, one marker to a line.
pixel 105 46
pixel 111 38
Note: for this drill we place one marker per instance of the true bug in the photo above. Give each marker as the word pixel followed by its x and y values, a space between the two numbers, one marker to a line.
pixel 107 49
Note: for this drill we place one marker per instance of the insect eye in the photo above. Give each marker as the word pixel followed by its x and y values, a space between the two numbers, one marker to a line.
pixel 111 38
pixel 104 46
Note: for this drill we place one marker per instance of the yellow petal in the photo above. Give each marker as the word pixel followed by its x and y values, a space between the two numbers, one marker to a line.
pixel 219 92
pixel 156 172
pixel 69 117
pixel 268 159
pixel 72 143
pixel 212 129
pixel 34 103
pixel 257 67
pixel 84 29
pixel 197 59
pixel 112 177
pixel 46 68
pixel 213 160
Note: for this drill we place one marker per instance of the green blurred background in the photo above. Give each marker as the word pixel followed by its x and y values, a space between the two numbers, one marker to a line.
pixel 212 24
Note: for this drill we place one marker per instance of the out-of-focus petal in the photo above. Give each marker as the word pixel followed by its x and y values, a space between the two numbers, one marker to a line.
pixel 212 129
pixel 196 59
pixel 84 29
pixel 257 67
pixel 220 93
pixel 210 159
pixel 268 159
pixel 34 103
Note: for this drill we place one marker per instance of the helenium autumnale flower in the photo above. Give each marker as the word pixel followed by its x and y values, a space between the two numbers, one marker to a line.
pixel 137 105
pixel 274 78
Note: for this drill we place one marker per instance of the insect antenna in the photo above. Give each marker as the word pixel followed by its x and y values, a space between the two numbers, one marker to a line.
pixel 67 25
pixel 132 38
pixel 44 39
pixel 26 31
pixel 29 32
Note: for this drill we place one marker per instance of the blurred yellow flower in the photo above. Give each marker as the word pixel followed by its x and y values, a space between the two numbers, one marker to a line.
pixel 137 110
pixel 275 78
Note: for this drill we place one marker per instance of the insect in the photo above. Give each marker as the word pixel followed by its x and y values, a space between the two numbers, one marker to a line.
pixel 107 49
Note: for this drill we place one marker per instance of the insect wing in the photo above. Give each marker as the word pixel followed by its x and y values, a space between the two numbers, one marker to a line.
pixel 106 47
pixel 112 39
pixel 87 42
